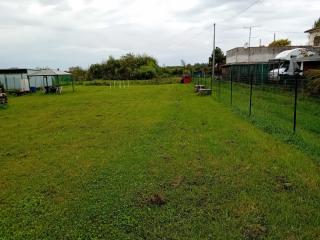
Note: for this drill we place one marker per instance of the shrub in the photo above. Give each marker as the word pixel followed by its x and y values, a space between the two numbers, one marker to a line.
pixel 280 43
pixel 313 83
pixel 146 72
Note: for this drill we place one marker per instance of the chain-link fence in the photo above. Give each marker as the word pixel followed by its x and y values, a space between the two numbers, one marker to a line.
pixel 278 104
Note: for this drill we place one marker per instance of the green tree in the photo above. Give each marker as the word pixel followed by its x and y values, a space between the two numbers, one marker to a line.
pixel 220 58
pixel 128 66
pixel 317 24
pixel 78 73
pixel 95 71
pixel 280 43
pixel 146 72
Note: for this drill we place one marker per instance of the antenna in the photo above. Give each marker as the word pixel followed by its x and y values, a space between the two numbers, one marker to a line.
pixel 249 43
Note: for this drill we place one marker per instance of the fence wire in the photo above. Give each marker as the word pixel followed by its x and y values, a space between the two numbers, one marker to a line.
pixel 278 105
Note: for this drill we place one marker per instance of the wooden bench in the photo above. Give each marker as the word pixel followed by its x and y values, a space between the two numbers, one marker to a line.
pixel 52 89
pixel 197 88
pixel 205 92
pixel 3 98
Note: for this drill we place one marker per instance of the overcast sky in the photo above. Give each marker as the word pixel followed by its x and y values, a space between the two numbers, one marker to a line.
pixel 63 33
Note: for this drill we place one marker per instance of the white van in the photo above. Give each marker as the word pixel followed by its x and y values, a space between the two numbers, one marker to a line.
pixel 285 59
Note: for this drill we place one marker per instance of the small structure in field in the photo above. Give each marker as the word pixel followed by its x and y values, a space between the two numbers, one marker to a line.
pixel 186 79
pixel 15 79
pixel 29 80
pixel 53 80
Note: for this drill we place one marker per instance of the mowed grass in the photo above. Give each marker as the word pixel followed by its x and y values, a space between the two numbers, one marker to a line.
pixel 148 162
pixel 273 111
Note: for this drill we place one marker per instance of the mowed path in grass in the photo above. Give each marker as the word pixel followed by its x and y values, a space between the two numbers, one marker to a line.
pixel 148 162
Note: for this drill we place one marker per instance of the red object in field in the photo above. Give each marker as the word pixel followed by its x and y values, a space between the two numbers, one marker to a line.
pixel 186 79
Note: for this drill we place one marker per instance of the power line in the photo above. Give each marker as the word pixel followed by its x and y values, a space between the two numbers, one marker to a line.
pixel 242 11
pixel 282 32
pixel 209 25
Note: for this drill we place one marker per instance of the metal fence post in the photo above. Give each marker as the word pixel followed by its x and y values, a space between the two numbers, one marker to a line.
pixel 295 103
pixel 211 85
pixel 219 90
pixel 231 86
pixel 251 89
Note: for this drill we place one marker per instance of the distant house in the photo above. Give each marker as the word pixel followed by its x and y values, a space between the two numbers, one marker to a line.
pixel 314 37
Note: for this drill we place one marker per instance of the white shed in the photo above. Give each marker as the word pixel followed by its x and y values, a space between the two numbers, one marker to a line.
pixel 15 79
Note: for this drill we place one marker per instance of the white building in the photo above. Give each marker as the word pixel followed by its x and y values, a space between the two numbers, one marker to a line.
pixel 259 54
pixel 314 37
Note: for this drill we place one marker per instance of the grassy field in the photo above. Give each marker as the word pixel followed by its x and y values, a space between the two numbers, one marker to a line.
pixel 128 83
pixel 148 162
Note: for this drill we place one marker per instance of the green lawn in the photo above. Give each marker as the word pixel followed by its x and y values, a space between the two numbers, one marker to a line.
pixel 273 110
pixel 148 162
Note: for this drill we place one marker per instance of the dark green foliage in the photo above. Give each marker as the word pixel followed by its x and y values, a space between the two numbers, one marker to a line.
pixel 174 71
pixel 313 85
pixel 317 23
pixel 280 43
pixel 95 71
pixel 129 66
pixel 220 58
pixel 146 72
pixel 78 73
pixel 143 67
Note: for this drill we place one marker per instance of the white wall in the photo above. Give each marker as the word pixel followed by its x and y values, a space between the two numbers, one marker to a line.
pixel 18 81
pixel 15 81
pixel 39 82
pixel 258 54
pixel 312 37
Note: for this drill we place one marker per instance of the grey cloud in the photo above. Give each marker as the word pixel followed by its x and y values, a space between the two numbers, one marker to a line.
pixel 64 37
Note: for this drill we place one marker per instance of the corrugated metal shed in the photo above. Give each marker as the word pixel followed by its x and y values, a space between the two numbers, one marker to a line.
pixel 48 72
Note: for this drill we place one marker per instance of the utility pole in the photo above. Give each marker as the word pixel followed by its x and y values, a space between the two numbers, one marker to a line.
pixel 249 42
pixel 249 47
pixel 214 51
pixel 274 37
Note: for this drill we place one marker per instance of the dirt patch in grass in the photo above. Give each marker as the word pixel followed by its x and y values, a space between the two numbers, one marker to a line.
pixel 157 199
pixel 166 157
pixel 231 142
pixel 49 192
pixel 177 181
pixel 254 231
pixel 283 184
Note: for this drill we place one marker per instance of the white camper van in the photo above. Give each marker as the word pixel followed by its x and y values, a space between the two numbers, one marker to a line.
pixel 283 60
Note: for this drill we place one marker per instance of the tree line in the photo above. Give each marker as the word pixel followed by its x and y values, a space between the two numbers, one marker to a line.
pixel 129 66
pixel 142 67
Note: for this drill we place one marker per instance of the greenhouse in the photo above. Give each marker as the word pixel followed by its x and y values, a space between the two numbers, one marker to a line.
pixel 26 80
